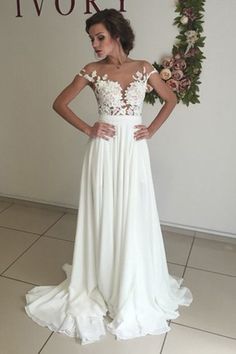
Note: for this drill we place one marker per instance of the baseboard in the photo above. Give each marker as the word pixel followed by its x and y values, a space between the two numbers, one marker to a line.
pixel 38 204
pixel 165 225
pixel 197 231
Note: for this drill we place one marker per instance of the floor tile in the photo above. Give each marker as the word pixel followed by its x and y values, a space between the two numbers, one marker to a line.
pixel 212 309
pixel 65 228
pixel 60 344
pixel 42 263
pixel 30 219
pixel 18 333
pixel 12 244
pixel 4 205
pixel 177 247
pixel 213 306
pixel 184 340
pixel 216 256
pixel 175 269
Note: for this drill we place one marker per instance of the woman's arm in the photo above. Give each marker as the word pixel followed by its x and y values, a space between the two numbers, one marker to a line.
pixel 165 92
pixel 60 105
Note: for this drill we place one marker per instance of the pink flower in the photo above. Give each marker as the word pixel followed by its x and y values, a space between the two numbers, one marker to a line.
pixel 177 74
pixel 180 64
pixel 177 56
pixel 165 74
pixel 184 84
pixel 189 13
pixel 167 62
pixel 173 84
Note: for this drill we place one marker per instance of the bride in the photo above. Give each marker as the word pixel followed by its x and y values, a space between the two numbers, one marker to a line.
pixel 119 278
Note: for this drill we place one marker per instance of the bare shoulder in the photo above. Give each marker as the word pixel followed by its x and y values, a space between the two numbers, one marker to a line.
pixel 149 67
pixel 141 63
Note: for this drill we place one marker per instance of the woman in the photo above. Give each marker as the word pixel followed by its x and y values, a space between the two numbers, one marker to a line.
pixel 119 265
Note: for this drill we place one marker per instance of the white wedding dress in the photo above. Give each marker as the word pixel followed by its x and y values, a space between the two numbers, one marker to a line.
pixel 119 265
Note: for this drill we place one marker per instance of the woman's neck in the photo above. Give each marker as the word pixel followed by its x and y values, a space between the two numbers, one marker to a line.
pixel 117 60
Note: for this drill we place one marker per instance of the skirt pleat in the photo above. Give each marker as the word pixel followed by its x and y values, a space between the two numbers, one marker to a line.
pixel 119 266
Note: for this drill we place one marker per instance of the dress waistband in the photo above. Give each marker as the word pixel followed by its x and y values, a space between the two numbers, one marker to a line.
pixel 120 119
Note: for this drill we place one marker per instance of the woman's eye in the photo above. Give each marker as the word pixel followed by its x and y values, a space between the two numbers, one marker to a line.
pixel 101 38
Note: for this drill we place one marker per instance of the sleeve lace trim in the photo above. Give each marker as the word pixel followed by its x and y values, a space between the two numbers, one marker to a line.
pixel 152 72
pixel 84 74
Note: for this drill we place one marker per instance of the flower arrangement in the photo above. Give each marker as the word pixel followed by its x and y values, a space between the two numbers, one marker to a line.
pixel 181 70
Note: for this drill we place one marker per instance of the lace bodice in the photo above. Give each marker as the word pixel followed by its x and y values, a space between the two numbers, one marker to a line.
pixel 113 99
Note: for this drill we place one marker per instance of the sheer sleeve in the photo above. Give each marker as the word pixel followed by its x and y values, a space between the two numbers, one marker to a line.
pixel 150 71
pixel 88 76
pixel 153 71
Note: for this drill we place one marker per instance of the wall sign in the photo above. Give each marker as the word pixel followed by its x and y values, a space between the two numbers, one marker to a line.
pixel 89 5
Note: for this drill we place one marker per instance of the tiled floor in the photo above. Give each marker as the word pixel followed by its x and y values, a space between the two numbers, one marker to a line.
pixel 35 242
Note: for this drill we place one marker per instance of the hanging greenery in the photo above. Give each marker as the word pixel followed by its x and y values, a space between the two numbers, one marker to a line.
pixel 181 70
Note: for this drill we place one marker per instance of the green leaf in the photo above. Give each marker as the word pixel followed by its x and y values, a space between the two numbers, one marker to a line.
pixel 180 45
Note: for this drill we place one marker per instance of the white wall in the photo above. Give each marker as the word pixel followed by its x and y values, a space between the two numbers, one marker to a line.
pixel 192 155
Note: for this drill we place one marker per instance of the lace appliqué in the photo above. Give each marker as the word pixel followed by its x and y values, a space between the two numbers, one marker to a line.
pixel 113 99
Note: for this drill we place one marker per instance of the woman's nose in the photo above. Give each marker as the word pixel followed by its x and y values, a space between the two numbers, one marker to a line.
pixel 94 44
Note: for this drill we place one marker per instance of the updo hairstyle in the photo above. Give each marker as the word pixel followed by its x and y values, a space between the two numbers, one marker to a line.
pixel 116 25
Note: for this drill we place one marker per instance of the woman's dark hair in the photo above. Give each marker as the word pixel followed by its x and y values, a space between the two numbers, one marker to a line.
pixel 116 25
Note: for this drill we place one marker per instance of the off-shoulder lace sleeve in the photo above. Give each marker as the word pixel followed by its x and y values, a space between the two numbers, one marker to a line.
pixel 90 77
pixel 150 70
pixel 154 70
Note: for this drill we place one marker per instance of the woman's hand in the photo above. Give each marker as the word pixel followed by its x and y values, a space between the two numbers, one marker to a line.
pixel 102 130
pixel 142 133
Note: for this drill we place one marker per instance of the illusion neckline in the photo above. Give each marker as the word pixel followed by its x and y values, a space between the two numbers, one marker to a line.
pixel 106 77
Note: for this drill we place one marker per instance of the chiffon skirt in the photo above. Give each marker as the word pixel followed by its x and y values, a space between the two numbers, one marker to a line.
pixel 118 280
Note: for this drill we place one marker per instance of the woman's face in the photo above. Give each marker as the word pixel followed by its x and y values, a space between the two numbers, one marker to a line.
pixel 102 42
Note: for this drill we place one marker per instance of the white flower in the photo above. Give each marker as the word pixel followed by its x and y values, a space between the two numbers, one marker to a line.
pixel 192 36
pixel 184 20
pixel 165 74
